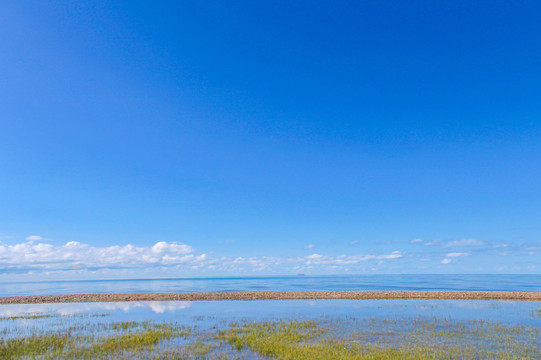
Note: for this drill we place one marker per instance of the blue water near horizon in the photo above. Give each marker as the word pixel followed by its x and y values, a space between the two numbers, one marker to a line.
pixel 462 282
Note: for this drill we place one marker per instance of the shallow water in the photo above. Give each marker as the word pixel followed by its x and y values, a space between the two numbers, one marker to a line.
pixel 211 312
pixel 286 283
pixel 386 323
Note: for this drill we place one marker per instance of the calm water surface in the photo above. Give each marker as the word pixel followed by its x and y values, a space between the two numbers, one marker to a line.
pixel 213 312
pixel 509 326
pixel 285 283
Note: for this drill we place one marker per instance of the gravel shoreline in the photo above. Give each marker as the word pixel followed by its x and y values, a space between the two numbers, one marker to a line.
pixel 279 295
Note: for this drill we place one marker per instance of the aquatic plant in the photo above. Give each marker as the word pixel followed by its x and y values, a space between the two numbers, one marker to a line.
pixel 27 317
pixel 324 338
pixel 307 340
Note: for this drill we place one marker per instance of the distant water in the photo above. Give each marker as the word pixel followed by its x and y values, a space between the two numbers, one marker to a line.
pixel 282 283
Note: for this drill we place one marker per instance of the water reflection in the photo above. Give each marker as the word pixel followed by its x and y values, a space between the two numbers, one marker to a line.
pixel 389 323
pixel 157 307
pixel 185 311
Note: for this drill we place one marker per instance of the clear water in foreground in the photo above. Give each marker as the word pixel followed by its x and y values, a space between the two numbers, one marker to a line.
pixel 282 283
pixel 390 329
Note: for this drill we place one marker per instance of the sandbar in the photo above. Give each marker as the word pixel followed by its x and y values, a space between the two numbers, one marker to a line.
pixel 278 295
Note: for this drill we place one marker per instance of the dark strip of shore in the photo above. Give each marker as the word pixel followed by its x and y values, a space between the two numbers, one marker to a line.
pixel 279 295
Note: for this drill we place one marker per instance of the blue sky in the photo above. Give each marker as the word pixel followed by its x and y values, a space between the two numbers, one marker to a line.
pixel 180 138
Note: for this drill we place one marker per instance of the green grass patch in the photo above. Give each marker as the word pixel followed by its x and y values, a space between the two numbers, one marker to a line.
pixel 306 340
pixel 62 345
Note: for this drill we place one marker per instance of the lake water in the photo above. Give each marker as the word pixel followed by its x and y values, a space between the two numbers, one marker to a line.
pixel 469 329
pixel 477 328
pixel 212 312
pixel 281 283
pixel 221 329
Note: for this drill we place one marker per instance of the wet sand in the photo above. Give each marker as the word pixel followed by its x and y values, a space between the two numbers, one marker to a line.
pixel 279 295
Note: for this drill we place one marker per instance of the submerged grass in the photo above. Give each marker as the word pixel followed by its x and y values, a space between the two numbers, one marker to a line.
pixel 27 317
pixel 347 338
pixel 31 347
pixel 63 345
pixel 307 340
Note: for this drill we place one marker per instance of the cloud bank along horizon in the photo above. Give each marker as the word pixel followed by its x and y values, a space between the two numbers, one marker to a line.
pixel 37 258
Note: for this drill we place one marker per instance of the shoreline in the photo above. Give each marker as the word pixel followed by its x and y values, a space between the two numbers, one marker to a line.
pixel 277 295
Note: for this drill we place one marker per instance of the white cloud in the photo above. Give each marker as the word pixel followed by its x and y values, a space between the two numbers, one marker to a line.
pixel 353 242
pixel 75 258
pixel 36 238
pixel 446 261
pixel 309 247
pixel 74 255
pixel 416 241
pixel 164 247
pixel 347 259
pixel 457 254
pixel 393 255
pixel 464 242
